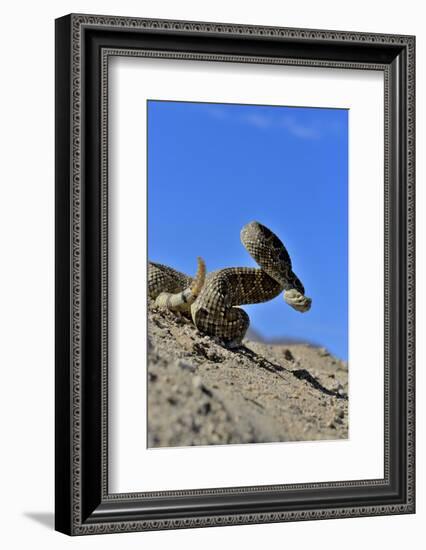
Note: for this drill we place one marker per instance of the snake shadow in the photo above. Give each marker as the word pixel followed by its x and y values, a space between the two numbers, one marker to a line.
pixel 300 374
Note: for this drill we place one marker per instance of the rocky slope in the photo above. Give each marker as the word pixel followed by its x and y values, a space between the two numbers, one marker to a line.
pixel 200 393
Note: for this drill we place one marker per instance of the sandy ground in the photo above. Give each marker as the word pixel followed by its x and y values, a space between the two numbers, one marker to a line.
pixel 200 393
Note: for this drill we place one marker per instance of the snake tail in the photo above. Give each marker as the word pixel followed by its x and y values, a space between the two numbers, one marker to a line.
pixel 181 301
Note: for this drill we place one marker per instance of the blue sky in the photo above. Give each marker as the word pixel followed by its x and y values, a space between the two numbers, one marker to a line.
pixel 212 168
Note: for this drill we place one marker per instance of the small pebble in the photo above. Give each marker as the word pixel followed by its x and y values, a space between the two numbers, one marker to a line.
pixel 196 382
pixel 288 355
pixel 186 366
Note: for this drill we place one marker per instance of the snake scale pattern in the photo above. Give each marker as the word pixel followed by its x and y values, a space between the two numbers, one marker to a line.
pixel 211 300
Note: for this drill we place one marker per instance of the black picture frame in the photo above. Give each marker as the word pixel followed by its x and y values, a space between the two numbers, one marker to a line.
pixel 83 504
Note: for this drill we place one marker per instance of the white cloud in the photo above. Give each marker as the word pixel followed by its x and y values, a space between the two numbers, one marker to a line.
pixel 313 131
pixel 302 131
pixel 216 111
pixel 258 120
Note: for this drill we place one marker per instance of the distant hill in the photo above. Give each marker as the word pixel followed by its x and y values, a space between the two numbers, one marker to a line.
pixel 254 335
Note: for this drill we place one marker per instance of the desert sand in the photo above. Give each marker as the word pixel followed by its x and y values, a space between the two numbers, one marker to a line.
pixel 201 393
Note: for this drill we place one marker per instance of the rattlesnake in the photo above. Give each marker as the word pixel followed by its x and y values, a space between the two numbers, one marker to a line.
pixel 210 300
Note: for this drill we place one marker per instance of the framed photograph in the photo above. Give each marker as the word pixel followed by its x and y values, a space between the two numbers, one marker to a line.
pixel 234 274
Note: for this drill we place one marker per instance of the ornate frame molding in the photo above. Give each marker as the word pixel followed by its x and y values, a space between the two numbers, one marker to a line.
pixel 84 508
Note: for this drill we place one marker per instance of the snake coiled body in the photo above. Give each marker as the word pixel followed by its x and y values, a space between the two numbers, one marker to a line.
pixel 211 300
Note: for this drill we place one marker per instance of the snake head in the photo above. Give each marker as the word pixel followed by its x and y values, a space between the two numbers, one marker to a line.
pixel 268 251
pixel 297 301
